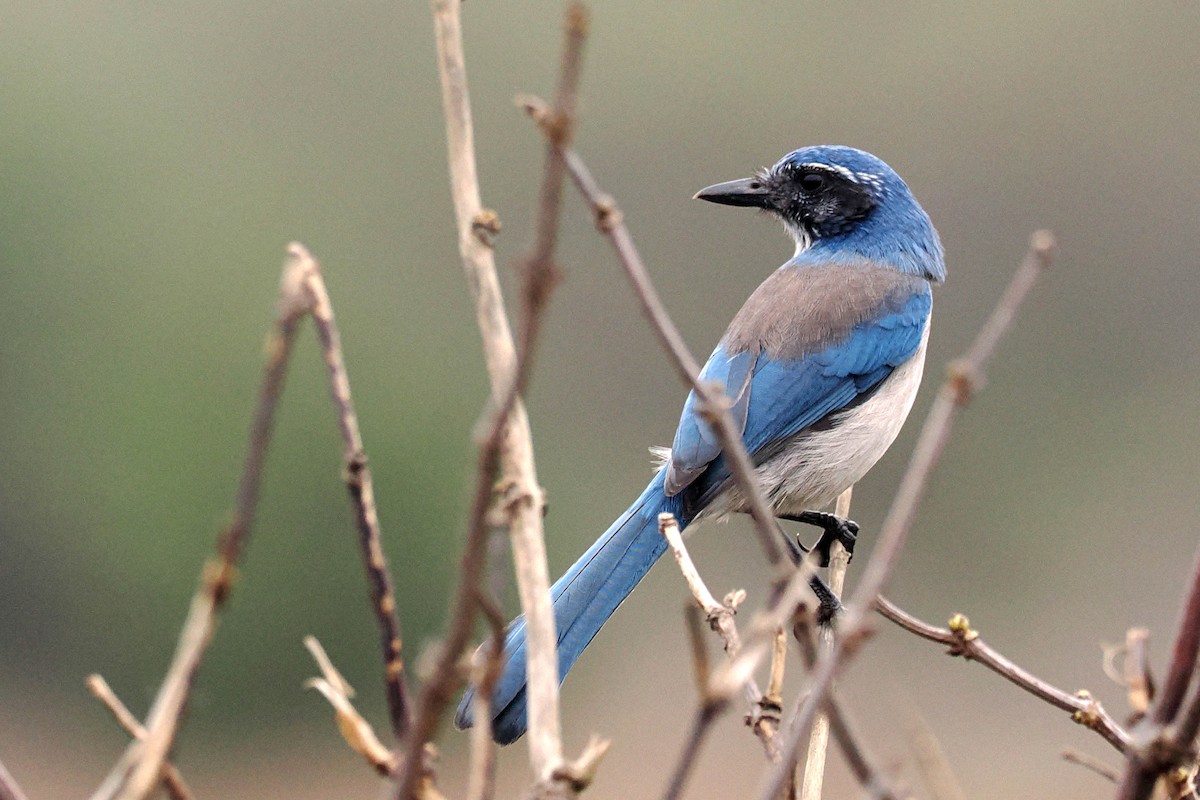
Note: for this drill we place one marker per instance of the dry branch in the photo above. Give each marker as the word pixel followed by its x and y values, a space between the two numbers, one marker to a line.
pixel 1162 747
pixel 138 771
pixel 818 740
pixel 961 640
pixel 357 732
pixel 517 464
pixel 172 780
pixel 713 405
pixel 361 488
pixel 965 376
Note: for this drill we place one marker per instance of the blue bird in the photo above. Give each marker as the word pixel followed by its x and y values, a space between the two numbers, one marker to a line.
pixel 821 366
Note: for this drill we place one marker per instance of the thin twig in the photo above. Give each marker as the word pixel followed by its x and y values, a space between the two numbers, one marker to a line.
pixel 818 740
pixel 172 781
pixel 711 704
pixel 965 376
pixel 9 789
pixel 714 405
pixel 1139 684
pixel 720 618
pixel 525 498
pixel 961 640
pixel 354 728
pixel 1162 749
pixel 361 488
pixel 861 765
pixel 138 770
pixel 1093 764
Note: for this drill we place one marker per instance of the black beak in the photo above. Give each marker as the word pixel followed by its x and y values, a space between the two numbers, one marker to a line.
pixel 752 192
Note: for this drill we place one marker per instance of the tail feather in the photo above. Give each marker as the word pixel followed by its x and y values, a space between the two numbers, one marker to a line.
pixel 584 598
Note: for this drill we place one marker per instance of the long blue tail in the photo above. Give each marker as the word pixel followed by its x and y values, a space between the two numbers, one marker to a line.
pixel 584 598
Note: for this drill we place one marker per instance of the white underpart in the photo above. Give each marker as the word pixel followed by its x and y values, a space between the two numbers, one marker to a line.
pixel 822 464
pixel 800 236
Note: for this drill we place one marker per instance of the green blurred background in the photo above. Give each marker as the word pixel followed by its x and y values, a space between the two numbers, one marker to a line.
pixel 156 158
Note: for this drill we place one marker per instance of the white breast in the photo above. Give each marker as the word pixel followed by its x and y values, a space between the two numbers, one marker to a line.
pixel 820 465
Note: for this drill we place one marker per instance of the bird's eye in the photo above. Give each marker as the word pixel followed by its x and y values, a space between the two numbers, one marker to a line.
pixel 812 182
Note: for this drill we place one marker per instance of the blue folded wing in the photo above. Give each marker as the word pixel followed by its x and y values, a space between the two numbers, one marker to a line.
pixel 774 398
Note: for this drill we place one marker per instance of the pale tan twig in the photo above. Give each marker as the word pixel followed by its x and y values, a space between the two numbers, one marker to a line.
pixel 138 771
pixel 1164 746
pixel 9 789
pixel 1095 765
pixel 172 780
pixel 965 377
pixel 357 732
pixel 360 486
pixel 714 405
pixel 720 618
pixel 861 765
pixel 525 496
pixel 1139 683
pixel 818 739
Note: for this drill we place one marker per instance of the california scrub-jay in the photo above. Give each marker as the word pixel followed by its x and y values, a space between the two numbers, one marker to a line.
pixel 821 367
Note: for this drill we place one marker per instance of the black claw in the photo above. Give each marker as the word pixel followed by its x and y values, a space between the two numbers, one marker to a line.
pixel 834 529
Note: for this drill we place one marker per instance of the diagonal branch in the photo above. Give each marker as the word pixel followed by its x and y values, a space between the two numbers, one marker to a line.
pixel 172 780
pixel 961 640
pixel 138 771
pixel 714 405
pixel 361 488
pixel 965 376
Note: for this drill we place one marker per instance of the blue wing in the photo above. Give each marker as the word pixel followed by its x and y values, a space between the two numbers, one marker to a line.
pixel 774 398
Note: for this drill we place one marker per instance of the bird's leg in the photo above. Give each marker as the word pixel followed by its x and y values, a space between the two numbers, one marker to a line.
pixel 834 529
pixel 829 606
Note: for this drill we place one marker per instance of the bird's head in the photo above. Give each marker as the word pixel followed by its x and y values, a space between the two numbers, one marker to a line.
pixel 839 204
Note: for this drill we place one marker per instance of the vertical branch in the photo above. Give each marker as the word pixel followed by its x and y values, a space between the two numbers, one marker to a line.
pixel 965 376
pixel 137 772
pixel 361 488
pixel 517 461
pixel 818 740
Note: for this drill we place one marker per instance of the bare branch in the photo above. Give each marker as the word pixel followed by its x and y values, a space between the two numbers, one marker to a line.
pixel 720 618
pixel 818 740
pixel 361 488
pixel 138 771
pixel 1139 684
pixel 714 405
pixel 526 503
pixel 965 376
pixel 9 790
pixel 1162 749
pixel 961 640
pixel 357 732
pixel 861 765
pixel 172 781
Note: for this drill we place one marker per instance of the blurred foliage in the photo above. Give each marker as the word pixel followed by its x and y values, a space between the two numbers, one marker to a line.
pixel 157 158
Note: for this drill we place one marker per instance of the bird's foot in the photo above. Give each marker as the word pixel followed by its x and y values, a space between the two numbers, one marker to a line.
pixel 828 604
pixel 833 529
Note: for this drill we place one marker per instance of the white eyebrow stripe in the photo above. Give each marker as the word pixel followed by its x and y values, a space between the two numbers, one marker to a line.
pixel 840 170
